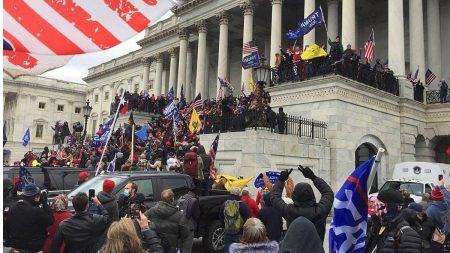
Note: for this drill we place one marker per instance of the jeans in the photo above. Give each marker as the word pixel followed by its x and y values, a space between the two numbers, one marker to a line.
pixel 229 239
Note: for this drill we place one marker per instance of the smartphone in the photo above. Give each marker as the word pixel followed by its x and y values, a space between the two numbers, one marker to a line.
pixel 440 177
pixel 91 193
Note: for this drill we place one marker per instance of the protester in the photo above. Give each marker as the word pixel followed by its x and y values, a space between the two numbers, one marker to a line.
pixel 173 164
pixel 304 200
pixel 234 213
pixel 254 239
pixel 272 219
pixel 407 199
pixel 437 211
pixel 300 237
pixel 81 232
pixel 190 165
pixel 109 202
pixel 82 177
pixel 443 90
pixel 169 223
pixel 131 201
pixel 27 222
pixel 122 237
pixel 391 233
pixel 60 213
pixel 253 207
pixel 221 184
pixel 419 221
pixel 188 204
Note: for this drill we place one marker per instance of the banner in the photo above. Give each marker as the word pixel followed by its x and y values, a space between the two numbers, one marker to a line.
pixel 313 51
pixel 307 24
pixel 272 175
pixel 250 61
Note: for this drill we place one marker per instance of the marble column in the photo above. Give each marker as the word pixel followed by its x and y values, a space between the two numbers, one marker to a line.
pixel 276 29
pixel 164 82
pixel 188 85
pixel 222 62
pixel 310 38
pixel 201 59
pixel 183 35
pixel 248 10
pixel 416 39
pixel 158 76
pixel 348 23
pixel 434 38
pixel 207 59
pixel 146 62
pixel 173 71
pixel 333 20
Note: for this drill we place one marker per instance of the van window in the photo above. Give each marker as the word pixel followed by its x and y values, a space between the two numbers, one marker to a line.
pixel 178 185
pixel 411 187
pixel 427 188
pixel 145 186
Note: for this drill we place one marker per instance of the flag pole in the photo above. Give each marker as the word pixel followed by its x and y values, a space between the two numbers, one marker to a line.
pixel 110 133
pixel 132 144
pixel 324 22
pixel 373 170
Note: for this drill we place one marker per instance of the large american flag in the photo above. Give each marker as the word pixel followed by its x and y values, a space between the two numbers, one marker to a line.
pixel 212 153
pixel 249 47
pixel 197 104
pixel 429 77
pixel 369 47
pixel 33 30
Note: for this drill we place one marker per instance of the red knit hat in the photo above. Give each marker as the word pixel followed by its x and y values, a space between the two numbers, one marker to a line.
pixel 108 186
pixel 83 175
pixel 437 194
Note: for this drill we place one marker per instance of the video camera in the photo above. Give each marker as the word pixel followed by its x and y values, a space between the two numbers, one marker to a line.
pixel 135 210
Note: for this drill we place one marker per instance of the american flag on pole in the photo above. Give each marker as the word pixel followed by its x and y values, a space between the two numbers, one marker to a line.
pixel 197 104
pixel 249 47
pixel 212 153
pixel 429 77
pixel 414 78
pixel 43 35
pixel 369 47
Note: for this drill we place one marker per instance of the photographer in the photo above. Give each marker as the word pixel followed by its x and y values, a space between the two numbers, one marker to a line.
pixel 131 202
pixel 27 222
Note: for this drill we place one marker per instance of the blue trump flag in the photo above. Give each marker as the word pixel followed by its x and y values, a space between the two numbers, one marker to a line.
pixel 306 25
pixel 349 224
pixel 24 178
pixel 26 137
pixel 142 134
pixel 112 164
pixel 102 135
pixel 272 175
pixel 250 61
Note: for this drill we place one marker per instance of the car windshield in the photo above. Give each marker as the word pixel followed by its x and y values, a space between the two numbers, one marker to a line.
pixel 411 187
pixel 95 183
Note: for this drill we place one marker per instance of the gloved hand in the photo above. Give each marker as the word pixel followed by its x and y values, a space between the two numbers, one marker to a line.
pixel 284 175
pixel 44 198
pixel 307 172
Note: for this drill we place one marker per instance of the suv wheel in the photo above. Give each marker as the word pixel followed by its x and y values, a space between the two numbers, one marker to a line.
pixel 213 241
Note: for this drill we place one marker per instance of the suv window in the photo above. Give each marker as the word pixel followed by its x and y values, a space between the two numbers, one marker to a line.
pixel 178 185
pixel 145 186
pixel 427 188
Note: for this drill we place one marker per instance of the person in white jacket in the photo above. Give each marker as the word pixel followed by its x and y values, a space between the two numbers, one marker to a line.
pixel 172 163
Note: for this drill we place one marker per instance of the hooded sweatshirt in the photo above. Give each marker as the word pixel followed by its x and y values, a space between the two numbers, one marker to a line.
pixel 301 237
pixel 109 202
pixel 271 217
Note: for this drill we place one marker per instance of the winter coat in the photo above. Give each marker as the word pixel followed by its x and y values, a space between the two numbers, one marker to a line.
pixel 305 203
pixel 425 227
pixel 191 164
pixel 26 225
pixel 301 237
pixel 272 219
pixel 437 212
pixel 168 222
pixel 206 158
pixel 59 217
pixel 80 232
pixel 243 210
pixel 264 247
pixel 254 210
pixel 109 202
pixel 200 168
pixel 126 202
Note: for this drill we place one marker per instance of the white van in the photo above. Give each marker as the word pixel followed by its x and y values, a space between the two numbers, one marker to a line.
pixel 422 171
pixel 414 187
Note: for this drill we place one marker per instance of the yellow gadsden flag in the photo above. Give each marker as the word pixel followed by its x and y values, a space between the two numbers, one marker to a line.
pixel 251 85
pixel 313 51
pixel 195 125
pixel 234 181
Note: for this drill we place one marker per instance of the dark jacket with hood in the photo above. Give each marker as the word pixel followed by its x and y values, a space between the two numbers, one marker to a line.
pixel 265 247
pixel 305 203
pixel 425 227
pixel 243 210
pixel 301 236
pixel 168 222
pixel 126 202
pixel 206 160
pixel 437 211
pixel 271 217
pixel 109 202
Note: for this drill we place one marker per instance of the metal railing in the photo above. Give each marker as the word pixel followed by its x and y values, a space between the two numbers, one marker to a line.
pixel 434 97
pixel 265 120
pixel 303 70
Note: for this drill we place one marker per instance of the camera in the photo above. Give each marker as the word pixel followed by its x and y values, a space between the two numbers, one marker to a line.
pixel 44 197
pixel 135 209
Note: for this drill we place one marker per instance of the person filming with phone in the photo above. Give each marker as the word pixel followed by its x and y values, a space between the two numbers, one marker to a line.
pixel 131 202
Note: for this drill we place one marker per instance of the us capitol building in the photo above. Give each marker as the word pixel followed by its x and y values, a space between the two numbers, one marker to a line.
pixel 203 40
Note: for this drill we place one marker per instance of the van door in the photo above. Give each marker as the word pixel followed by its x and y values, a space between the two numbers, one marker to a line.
pixel 145 186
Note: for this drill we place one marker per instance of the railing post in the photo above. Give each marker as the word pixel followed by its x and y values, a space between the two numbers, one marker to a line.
pixel 312 129
pixel 300 127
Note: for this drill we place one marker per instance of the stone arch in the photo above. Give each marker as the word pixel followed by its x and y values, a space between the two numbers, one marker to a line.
pixel 424 149
pixel 369 145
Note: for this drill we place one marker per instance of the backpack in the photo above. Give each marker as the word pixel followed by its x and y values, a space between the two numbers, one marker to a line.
pixel 190 164
pixel 185 204
pixel 233 218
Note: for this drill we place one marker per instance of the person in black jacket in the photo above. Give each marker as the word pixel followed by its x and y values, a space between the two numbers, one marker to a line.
pixel 26 223
pixel 206 158
pixel 169 222
pixel 419 221
pixel 272 219
pixel 189 205
pixel 391 233
pixel 108 200
pixel 131 201
pixel 81 232
pixel 304 200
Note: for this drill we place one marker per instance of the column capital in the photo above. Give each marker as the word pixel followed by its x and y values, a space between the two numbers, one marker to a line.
pixel 202 26
pixel 223 17
pixel 158 57
pixel 183 33
pixel 273 2
pixel 146 61
pixel 247 7
pixel 173 52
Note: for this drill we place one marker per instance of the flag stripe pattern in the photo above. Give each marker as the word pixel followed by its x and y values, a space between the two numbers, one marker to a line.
pixel 369 47
pixel 197 104
pixel 249 47
pixel 212 153
pixel 429 76
pixel 349 224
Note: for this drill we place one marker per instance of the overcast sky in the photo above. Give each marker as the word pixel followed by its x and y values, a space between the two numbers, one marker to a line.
pixel 78 66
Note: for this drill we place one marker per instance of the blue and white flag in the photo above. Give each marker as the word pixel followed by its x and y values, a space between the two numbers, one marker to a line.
pixel 349 224
pixel 26 137
pixel 272 175
pixel 169 110
pixel 306 25
pixel 24 178
pixel 170 95
pixel 100 138
pixel 250 61
pixel 112 164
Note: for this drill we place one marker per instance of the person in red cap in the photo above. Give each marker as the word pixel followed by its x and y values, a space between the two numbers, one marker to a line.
pixel 437 211
pixel 82 177
pixel 108 199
